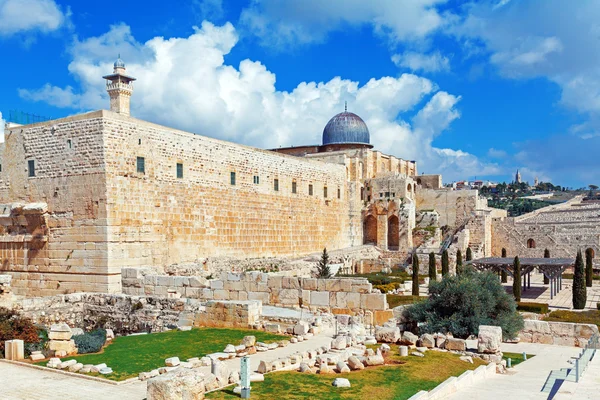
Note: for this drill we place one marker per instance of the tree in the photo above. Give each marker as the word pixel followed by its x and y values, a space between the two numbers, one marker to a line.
pixel 323 270
pixel 459 304
pixel 432 268
pixel 517 279
pixel 546 255
pixel 415 275
pixel 503 274
pixel 458 261
pixel 589 267
pixel 445 263
pixel 469 254
pixel 579 290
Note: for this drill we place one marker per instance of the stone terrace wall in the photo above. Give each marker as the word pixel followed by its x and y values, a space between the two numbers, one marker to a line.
pixel 123 313
pixel 337 293
pixel 230 314
pixel 558 333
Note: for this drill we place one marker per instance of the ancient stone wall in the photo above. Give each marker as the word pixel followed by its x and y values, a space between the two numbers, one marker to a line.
pixel 202 213
pixel 338 293
pixel 64 248
pixel 123 313
pixel 429 181
pixel 562 229
pixel 558 333
pixel 230 314
pixel 454 206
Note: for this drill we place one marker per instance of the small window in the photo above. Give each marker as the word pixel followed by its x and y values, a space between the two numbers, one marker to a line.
pixel 387 194
pixel 31 166
pixel 139 141
pixel 393 194
pixel 276 185
pixel 69 143
pixel 531 244
pixel 339 193
pixel 0 167
pixel 232 178
pixel 310 190
pixel 381 194
pixel 325 191
pixel 369 198
pixel 179 171
pixel 294 187
pixel 256 179
pixel 141 165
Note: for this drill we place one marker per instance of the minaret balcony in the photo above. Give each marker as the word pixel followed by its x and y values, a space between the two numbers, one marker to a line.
pixel 119 86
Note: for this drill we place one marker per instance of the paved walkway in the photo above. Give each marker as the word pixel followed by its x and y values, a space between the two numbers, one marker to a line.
pixel 24 383
pixel 527 379
pixel 19 382
pixel 588 387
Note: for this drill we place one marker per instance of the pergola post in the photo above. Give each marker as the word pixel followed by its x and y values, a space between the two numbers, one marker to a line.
pixel 551 288
pixel 524 282
pixel 529 280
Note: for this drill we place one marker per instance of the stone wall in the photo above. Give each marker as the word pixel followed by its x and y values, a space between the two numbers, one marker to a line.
pixel 563 229
pixel 123 313
pixel 230 314
pixel 101 214
pixel 558 333
pixel 339 293
pixel 454 206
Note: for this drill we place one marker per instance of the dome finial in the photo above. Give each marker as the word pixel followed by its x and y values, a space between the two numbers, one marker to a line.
pixel 345 106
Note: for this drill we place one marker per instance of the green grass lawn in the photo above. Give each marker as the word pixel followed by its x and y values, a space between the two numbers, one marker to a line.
pixel 516 358
pixel 583 317
pixel 130 355
pixel 400 380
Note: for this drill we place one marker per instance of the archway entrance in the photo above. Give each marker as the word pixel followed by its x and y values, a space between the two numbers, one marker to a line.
pixel 393 233
pixel 370 230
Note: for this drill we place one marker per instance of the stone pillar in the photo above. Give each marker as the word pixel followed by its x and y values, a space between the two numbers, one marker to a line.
pixel 14 350
pixel 382 231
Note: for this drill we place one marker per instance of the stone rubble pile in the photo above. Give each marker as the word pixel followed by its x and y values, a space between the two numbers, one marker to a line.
pixel 74 366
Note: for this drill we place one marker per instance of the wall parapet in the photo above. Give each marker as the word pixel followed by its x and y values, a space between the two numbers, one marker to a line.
pixel 557 333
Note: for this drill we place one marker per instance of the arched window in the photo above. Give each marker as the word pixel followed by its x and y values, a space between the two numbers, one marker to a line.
pixel 418 181
pixel 531 244
pixel 409 189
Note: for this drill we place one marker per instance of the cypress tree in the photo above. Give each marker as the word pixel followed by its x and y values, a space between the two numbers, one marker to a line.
pixel 445 263
pixel 432 269
pixel 546 255
pixel 517 279
pixel 469 254
pixel 458 262
pixel 589 267
pixel 323 270
pixel 503 274
pixel 415 275
pixel 579 290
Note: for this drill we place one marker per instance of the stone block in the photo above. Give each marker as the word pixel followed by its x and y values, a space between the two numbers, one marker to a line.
pixel 387 334
pixel 456 344
pixel 409 337
pixel 301 328
pixel 183 384
pixel 291 283
pixel 14 350
pixel 373 301
pixel 172 362
pixel 319 299
pixel 67 346
pixel 489 339
pixel 309 283
pixel 216 284
pixel 427 340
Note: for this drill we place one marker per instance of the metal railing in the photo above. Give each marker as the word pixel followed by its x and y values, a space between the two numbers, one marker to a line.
pixel 23 118
pixel 582 361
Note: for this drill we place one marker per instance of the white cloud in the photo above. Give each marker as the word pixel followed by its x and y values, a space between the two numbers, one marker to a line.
pixel 495 153
pixel 185 83
pixel 433 62
pixel 306 21
pixel 18 16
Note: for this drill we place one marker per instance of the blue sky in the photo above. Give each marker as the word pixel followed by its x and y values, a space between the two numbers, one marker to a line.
pixel 468 89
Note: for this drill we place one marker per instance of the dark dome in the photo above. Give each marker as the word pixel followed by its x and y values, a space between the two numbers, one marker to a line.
pixel 346 127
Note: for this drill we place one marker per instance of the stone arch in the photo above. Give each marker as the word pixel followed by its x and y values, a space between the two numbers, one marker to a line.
pixel 393 233
pixel 530 243
pixel 418 181
pixel 370 230
pixel 409 189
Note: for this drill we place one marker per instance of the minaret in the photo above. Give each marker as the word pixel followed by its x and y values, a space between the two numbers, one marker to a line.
pixel 518 177
pixel 119 87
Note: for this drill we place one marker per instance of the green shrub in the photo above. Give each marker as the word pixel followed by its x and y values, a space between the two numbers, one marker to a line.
pixel 91 342
pixel 15 326
pixel 459 304
pixel 539 308
pixel 388 287
pixel 582 317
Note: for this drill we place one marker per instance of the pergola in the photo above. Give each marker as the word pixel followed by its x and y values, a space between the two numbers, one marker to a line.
pixel 552 268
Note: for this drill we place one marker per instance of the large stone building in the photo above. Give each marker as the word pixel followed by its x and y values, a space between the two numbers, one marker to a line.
pixel 86 195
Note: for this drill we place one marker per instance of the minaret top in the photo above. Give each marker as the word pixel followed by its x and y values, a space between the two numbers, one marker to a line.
pixel 119 87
